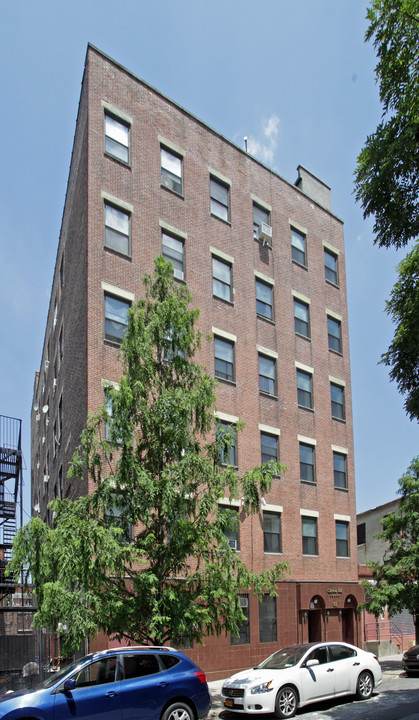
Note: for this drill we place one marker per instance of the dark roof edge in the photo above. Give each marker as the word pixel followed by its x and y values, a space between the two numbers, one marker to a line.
pixel 92 47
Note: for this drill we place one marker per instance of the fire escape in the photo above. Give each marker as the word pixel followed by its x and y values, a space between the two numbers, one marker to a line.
pixel 10 487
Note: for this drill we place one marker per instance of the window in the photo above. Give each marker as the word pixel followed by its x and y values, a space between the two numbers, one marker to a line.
pixel 116 138
pixel 341 652
pixel 342 539
pixel 319 654
pixel 338 401
pixel 267 378
pixel 307 464
pixel 140 665
pixel 174 251
pixel 243 638
pixel 334 334
pixel 309 536
pixel 298 247
pixel 171 170
pixel 361 534
pixel 272 541
pixel 224 358
pixel 114 517
pixel 61 346
pixel 331 266
pixel 305 389
pixel 264 299
pixel 220 199
pixel 60 417
pixel 227 443
pixel 260 215
pixel 221 279
pixel 97 673
pixel 339 470
pixel 301 318
pixel 267 619
pixel 117 229
pixel 269 447
pixel 116 318
pixel 231 531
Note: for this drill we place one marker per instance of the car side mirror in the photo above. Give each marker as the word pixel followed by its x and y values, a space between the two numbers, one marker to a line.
pixel 311 663
pixel 69 685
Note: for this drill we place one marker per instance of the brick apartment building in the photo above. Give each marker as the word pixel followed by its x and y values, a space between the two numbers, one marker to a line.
pixel 264 260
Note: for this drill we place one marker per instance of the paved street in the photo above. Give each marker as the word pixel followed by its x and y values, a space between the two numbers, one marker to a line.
pixel 397 698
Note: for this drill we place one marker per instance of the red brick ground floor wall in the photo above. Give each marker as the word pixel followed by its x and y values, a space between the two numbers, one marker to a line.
pixel 305 612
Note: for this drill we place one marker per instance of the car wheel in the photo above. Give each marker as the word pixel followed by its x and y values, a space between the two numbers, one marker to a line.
pixel 178 711
pixel 286 702
pixel 364 686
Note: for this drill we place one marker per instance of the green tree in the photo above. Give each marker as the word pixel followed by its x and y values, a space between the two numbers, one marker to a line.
pixel 387 177
pixel 146 556
pixel 397 577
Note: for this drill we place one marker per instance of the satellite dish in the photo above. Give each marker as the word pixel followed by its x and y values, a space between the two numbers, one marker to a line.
pixel 45 409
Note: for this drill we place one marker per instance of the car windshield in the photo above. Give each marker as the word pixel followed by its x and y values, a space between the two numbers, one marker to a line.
pixel 52 678
pixel 288 657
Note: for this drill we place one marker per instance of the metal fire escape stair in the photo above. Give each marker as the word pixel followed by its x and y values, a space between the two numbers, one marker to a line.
pixel 10 483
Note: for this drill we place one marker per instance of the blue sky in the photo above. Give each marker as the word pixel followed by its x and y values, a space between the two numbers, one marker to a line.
pixel 295 77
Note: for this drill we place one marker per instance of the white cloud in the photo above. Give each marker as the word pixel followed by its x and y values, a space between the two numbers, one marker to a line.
pixel 264 146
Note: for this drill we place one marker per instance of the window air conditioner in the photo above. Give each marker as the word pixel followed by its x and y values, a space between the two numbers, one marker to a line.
pixel 244 602
pixel 46 478
pixel 46 364
pixel 54 384
pixel 178 274
pixel 265 234
pixel 233 544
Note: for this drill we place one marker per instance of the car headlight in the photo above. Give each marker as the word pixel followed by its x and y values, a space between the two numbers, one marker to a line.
pixel 262 688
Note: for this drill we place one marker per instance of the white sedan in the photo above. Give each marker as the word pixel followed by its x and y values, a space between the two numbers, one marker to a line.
pixel 302 674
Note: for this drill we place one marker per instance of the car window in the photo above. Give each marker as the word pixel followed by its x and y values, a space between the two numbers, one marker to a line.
pixel 288 657
pixel 169 661
pixel 340 652
pixel 140 665
pixel 97 673
pixel 319 654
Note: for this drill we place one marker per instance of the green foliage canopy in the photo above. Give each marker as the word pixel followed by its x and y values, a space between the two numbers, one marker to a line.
pixel 145 556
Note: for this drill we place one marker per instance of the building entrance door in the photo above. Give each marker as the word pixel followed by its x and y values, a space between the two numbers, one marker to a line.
pixel 314 625
pixel 348 634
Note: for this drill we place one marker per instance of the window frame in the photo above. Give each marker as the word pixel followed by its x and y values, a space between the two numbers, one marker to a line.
pixel 306 546
pixel 108 205
pixel 259 313
pixel 271 538
pixel 234 534
pixel 263 211
pixel 124 124
pixel 233 449
pixel 298 255
pixel 268 623
pixel 216 202
pixel 271 456
pixel 244 630
pixel 178 274
pixel 331 273
pixel 167 177
pixel 342 542
pixel 220 281
pixel 306 330
pixel 219 374
pixel 334 338
pixel 302 392
pixel 338 404
pixel 271 379
pixel 337 473
pixel 108 337
pixel 304 464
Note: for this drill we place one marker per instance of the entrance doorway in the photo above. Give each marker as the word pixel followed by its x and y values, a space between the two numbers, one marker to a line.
pixel 348 626
pixel 314 625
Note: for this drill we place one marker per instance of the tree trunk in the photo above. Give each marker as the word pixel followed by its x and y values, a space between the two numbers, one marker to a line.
pixel 417 628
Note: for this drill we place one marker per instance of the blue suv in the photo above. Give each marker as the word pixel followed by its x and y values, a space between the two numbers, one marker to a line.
pixel 132 683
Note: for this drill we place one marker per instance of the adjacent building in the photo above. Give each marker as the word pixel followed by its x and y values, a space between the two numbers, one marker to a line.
pixel 265 262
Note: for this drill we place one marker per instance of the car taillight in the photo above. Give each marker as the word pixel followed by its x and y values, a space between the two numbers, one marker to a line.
pixel 201 676
pixel 376 658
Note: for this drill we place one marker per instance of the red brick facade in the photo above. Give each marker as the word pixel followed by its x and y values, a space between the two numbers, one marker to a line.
pixel 321 591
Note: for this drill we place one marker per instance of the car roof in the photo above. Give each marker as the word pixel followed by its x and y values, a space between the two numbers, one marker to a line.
pixel 132 648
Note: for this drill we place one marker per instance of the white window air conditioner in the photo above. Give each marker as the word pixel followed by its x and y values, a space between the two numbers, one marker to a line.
pixel 178 274
pixel 54 384
pixel 46 478
pixel 244 602
pixel 233 544
pixel 46 365
pixel 265 234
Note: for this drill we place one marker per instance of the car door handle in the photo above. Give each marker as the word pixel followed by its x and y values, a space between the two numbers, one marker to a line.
pixel 355 664
pixel 111 693
pixel 162 684
pixel 331 670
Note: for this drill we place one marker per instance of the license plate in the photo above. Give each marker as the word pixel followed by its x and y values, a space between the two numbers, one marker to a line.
pixel 229 703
